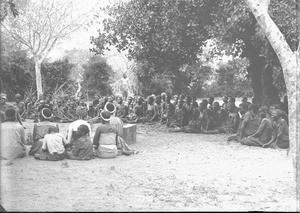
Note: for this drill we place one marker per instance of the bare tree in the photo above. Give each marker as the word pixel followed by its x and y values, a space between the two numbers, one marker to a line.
pixel 40 26
pixel 290 62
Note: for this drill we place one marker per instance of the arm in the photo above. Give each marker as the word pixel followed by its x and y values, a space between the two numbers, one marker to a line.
pixel 260 129
pixel 97 137
pixel 155 113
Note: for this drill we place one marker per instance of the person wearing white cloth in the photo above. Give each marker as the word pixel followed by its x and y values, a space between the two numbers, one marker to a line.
pixel 73 129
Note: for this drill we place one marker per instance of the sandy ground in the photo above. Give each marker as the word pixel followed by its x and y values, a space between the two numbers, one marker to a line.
pixel 173 171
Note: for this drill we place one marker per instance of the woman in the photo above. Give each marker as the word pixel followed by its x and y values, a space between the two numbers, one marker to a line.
pixel 12 137
pixel 151 113
pixel 105 138
pixel 41 129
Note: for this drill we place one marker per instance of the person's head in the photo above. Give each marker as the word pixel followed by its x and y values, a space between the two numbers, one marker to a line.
pixel 3 98
pixel 46 114
pixel 140 100
pixel 253 108
pixel 52 129
pixel 110 107
pixel 232 99
pixel 195 104
pixel 216 106
pixel 130 99
pixel 211 100
pixel 119 100
pixel 225 99
pixel 83 130
pixel 105 116
pixel 231 106
pixel 263 111
pixel 202 105
pixel 280 105
pixel 42 102
pixel 277 114
pixel 175 97
pixel 10 114
pixel 272 108
pixel 182 97
pixel 110 99
pixel 243 108
pixel 150 99
pixel 205 102
pixel 188 99
pixel 158 99
pixel 18 97
pixel 245 99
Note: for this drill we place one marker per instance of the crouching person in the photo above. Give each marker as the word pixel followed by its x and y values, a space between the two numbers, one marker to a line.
pixel 53 148
pixel 83 146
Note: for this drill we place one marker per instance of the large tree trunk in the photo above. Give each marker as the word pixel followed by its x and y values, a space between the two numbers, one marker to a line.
pixel 289 61
pixel 38 78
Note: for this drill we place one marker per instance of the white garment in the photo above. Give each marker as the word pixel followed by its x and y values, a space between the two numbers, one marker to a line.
pixel 74 127
pixel 54 143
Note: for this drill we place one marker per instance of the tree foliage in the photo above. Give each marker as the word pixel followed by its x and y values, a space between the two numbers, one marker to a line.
pixel 97 76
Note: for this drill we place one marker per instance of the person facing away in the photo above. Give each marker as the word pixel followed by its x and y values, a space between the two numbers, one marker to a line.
pixel 53 148
pixel 12 137
pixel 83 147
pixel 106 138
pixel 41 129
pixel 263 133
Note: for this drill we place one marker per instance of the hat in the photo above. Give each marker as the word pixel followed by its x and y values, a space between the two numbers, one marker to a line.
pixel 10 113
pixel 110 107
pixel 105 115
pixel 3 95
pixel 46 113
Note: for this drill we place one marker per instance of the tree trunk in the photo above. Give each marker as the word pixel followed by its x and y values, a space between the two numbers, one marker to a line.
pixel 38 78
pixel 289 61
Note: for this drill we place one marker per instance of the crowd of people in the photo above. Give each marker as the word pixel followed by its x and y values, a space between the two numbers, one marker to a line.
pixel 249 123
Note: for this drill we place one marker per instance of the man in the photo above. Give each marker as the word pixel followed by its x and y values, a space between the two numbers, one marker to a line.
pixel 281 137
pixel 4 106
pixel 225 102
pixel 245 101
pixel 187 112
pixel 210 102
pixel 218 115
pixel 263 133
pixel 169 112
pixel 121 109
pixel 20 105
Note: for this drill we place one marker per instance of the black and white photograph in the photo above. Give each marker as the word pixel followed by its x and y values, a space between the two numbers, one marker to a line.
pixel 150 105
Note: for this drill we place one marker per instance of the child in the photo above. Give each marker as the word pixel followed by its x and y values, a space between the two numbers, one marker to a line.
pixel 83 146
pixel 53 148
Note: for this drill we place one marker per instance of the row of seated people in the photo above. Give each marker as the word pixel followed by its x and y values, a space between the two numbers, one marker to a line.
pixel 49 144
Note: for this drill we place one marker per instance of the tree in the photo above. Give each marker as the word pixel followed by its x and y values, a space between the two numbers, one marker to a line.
pixel 161 35
pixel 40 26
pixel 97 76
pixel 290 62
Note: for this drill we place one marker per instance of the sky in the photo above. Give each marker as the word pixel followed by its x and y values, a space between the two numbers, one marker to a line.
pixel 81 38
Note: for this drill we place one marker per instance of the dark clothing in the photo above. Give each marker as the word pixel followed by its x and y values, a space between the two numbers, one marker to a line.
pixel 83 149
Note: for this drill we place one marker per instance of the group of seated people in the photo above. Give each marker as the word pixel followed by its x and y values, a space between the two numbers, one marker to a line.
pixel 250 123
pixel 50 144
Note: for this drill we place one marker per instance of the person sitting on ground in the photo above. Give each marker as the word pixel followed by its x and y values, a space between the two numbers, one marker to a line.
pixel 250 122
pixel 82 111
pixel 130 105
pixel 163 99
pixel 40 129
pixel 263 133
pixel 169 112
pixel 243 108
pixel 175 120
pixel 225 102
pixel 245 101
pixel 53 148
pixel 72 111
pixel 151 113
pixel 210 102
pixel 121 109
pixel 231 124
pixel 115 121
pixel 4 106
pixel 83 147
pixel 281 137
pixel 138 111
pixel 218 115
pixel 73 129
pixel 31 108
pixel 20 105
pixel 159 107
pixel 204 116
pixel 105 138
pixel 187 111
pixel 195 124
pixel 232 100
pixel 58 113
pixel 12 137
